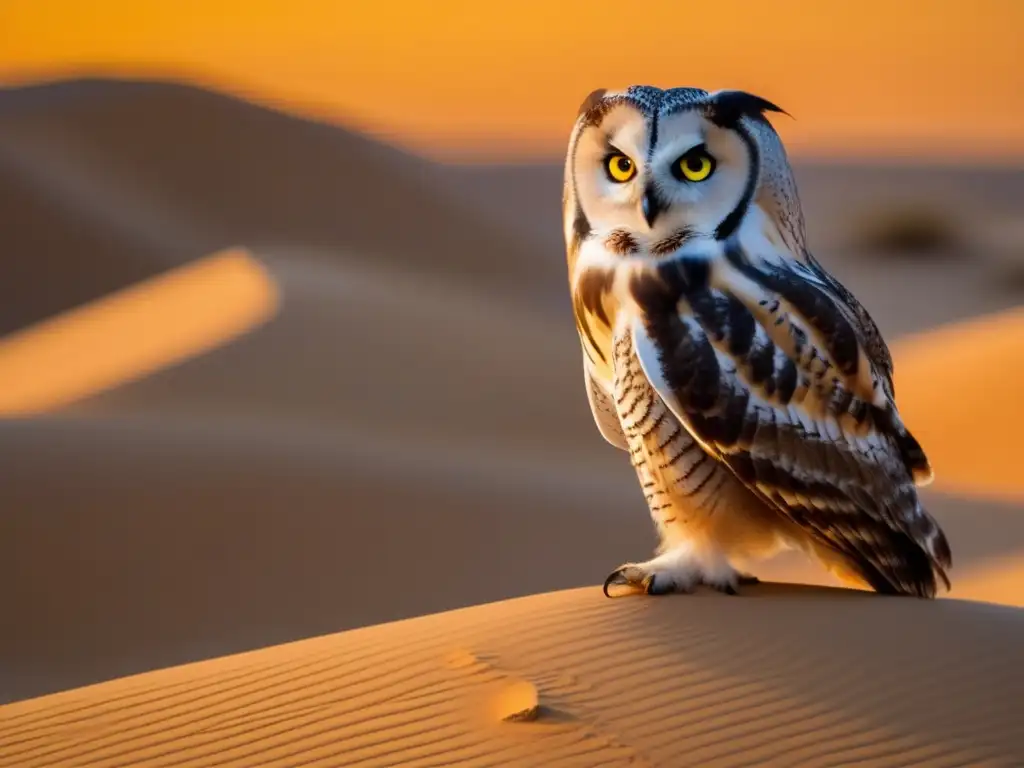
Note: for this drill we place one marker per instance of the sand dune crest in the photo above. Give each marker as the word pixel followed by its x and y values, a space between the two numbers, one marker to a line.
pixel 779 676
pixel 134 332
pixel 958 388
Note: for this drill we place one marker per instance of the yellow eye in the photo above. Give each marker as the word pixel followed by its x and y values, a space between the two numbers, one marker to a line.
pixel 620 168
pixel 695 165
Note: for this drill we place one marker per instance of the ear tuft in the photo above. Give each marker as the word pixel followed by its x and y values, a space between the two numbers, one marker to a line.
pixel 593 99
pixel 728 107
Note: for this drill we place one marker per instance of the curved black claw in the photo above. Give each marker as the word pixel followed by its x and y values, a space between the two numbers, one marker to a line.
pixel 615 577
pixel 627 575
pixel 644 582
pixel 726 589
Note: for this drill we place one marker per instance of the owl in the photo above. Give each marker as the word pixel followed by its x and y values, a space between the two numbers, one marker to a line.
pixel 751 390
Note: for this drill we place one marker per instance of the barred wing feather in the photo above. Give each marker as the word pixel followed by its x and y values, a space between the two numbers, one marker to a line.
pixel 765 364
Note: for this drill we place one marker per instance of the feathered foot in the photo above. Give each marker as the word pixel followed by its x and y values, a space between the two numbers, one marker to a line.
pixel 678 571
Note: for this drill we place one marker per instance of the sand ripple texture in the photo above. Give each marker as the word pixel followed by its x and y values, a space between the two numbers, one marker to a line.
pixel 786 676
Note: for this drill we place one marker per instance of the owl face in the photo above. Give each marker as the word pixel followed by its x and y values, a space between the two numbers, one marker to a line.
pixel 684 173
pixel 663 166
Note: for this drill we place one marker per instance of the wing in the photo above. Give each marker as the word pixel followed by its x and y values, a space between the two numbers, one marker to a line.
pixel 603 409
pixel 768 372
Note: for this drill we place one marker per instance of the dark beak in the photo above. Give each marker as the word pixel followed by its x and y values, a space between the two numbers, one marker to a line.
pixel 651 205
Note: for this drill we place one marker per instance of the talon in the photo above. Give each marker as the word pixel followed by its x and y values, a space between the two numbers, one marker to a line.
pixel 671 573
pixel 622 577
pixel 628 575
pixel 615 577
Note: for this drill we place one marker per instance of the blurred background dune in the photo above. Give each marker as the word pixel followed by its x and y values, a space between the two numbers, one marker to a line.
pixel 386 415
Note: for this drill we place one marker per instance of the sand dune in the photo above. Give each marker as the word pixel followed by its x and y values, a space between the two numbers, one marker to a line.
pixel 265 491
pixel 997 580
pixel 786 676
pixel 133 332
pixel 960 386
pixel 137 177
pixel 408 434
pixel 374 348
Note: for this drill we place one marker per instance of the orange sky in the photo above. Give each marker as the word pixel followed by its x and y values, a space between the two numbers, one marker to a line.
pixel 451 78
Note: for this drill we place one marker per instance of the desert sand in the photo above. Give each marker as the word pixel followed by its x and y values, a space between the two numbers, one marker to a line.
pixel 225 555
pixel 784 676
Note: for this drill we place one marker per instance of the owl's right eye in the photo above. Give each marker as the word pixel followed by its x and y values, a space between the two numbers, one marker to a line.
pixel 620 168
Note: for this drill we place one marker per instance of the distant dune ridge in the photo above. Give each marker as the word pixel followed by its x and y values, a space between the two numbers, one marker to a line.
pixel 130 333
pixel 207 172
pixel 406 434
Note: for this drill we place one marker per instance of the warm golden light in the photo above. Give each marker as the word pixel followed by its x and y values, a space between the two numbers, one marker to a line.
pixel 459 78
pixel 134 332
pixel 958 389
pixel 996 580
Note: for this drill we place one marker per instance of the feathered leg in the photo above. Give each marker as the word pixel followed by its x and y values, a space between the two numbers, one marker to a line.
pixel 684 488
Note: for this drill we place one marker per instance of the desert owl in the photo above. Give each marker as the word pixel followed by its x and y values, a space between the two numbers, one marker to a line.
pixel 752 391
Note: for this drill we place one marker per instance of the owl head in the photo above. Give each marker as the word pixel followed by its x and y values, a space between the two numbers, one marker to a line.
pixel 652 168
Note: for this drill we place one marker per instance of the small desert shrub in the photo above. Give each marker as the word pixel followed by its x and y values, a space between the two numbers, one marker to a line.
pixel 906 230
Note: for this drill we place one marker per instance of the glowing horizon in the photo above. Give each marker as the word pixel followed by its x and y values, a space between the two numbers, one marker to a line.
pixel 457 79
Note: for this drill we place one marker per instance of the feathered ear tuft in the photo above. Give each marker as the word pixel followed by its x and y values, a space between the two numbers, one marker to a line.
pixel 592 100
pixel 727 107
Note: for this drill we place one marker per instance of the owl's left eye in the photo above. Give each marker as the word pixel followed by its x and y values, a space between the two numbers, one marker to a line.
pixel 695 165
